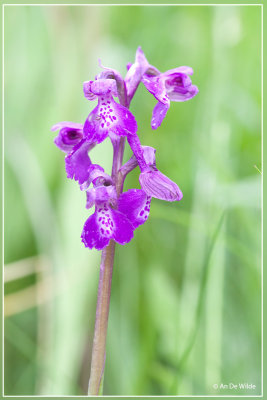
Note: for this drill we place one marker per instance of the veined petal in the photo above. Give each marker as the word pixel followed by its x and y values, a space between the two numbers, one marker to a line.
pixel 179 86
pixel 119 90
pixel 158 185
pixel 159 113
pixel 135 72
pixel 108 116
pixel 97 176
pixel 88 94
pixel 106 224
pixel 101 194
pixel 135 204
pixel 78 162
pixel 183 69
pixel 183 94
pixel 70 134
pixel 90 197
pixel 149 155
pixel 156 86
pixel 102 87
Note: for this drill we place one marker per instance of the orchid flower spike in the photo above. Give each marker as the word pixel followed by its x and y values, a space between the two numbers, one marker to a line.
pixel 116 213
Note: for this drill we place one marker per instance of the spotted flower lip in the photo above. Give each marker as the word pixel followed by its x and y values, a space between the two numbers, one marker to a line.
pixel 114 217
pixel 106 222
pixel 108 116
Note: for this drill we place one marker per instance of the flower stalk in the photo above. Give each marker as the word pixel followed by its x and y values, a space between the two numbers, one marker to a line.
pixel 101 322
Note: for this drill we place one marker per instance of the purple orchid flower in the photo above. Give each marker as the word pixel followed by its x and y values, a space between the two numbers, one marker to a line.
pixel 71 140
pixel 172 85
pixel 113 219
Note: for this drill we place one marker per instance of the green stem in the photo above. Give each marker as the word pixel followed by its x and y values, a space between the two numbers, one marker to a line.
pixel 101 322
pixel 104 289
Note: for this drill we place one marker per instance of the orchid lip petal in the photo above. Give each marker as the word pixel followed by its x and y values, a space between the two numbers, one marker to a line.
pixel 106 224
pixel 107 117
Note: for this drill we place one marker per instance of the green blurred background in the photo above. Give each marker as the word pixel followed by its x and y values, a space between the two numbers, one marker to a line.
pixel 186 296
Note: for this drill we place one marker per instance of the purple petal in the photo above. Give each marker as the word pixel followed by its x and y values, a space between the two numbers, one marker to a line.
pixel 92 235
pixel 106 194
pixel 183 95
pixel 107 117
pixel 135 72
pixel 123 232
pixel 102 87
pixel 90 198
pixel 158 115
pixel 106 224
pixel 70 134
pixel 156 86
pixel 149 155
pixel 179 86
pixel 137 150
pixel 184 70
pixel 155 184
pixel 135 204
pixel 101 194
pixel 88 92
pixel 97 176
pixel 78 162
pixel 119 89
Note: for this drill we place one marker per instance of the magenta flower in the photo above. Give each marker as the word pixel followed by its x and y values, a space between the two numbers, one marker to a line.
pixel 71 140
pixel 172 85
pixel 113 218
pixel 108 117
